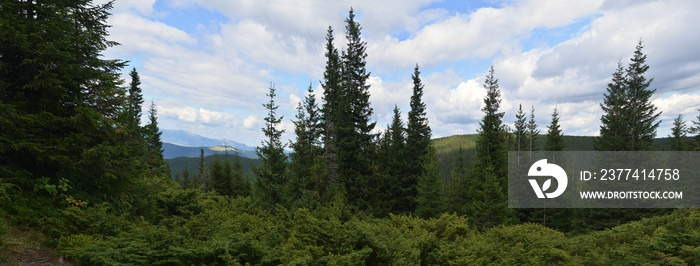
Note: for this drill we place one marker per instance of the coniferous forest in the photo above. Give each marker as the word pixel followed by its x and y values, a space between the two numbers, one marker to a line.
pixel 82 180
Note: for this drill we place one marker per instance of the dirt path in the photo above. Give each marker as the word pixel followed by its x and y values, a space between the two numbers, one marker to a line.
pixel 24 248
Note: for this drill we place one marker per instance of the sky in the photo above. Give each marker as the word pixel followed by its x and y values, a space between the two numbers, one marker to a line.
pixel 208 64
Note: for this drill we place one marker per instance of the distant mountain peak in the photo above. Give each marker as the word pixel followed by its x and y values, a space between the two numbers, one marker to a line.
pixel 189 139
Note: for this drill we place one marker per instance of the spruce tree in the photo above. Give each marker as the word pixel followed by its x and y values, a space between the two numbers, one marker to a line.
pixel 201 180
pixel 356 151
pixel 613 128
pixel 61 98
pixel 400 189
pixel 154 145
pixel 418 135
pixel 521 136
pixel 219 176
pixel 679 133
pixel 532 132
pixel 696 130
pixel 331 114
pixel 642 114
pixel 430 200
pixel 555 139
pixel 240 185
pixel 486 185
pixel 629 120
pixel 456 197
pixel 186 179
pixel 270 174
pixel 306 150
pixel 134 102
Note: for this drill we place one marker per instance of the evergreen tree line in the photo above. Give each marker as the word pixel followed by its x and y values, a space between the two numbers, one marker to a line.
pixel 67 120
pixel 337 157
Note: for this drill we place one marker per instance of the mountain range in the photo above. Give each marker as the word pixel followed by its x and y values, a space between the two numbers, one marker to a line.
pixel 180 143
pixel 189 139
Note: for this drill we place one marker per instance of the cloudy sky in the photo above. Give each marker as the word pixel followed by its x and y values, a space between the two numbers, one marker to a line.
pixel 207 64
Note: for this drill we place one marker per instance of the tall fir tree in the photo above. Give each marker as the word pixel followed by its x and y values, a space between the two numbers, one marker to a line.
pixel 679 134
pixel 58 90
pixel 613 128
pixel 456 183
pixel 355 142
pixel 555 137
pixel 154 144
pixel 629 120
pixel 270 174
pixel 642 114
pixel 331 114
pixel 696 130
pixel 520 138
pixel 532 132
pixel 487 182
pixel 418 135
pixel 520 126
pixel 220 176
pixel 240 185
pixel 430 199
pixel 306 148
pixel 393 162
pixel 134 101
pixel 186 180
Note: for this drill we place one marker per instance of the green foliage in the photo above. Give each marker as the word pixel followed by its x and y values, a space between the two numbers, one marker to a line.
pixel 532 132
pixel 669 239
pixel 629 121
pixel 555 138
pixel 304 182
pixel 679 134
pixel 520 130
pixel 485 197
pixel 430 199
pixel 270 175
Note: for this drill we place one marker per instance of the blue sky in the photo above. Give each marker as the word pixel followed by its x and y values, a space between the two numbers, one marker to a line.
pixel 207 64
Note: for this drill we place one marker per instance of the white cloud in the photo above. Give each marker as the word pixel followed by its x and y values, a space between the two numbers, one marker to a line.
pixel 480 34
pixel 224 73
pixel 251 122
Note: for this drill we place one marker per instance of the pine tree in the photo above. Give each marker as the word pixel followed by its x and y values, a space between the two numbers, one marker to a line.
pixel 679 133
pixel 532 132
pixel 555 139
pixel 356 151
pixel 220 176
pixel 134 102
pixel 270 182
pixel 61 98
pixel 401 191
pixel 186 179
pixel 613 128
pixel 520 130
pixel 154 145
pixel 418 135
pixel 487 181
pixel 200 180
pixel 306 150
pixel 331 113
pixel 240 185
pixel 430 200
pixel 629 121
pixel 642 113
pixel 456 183
pixel 696 129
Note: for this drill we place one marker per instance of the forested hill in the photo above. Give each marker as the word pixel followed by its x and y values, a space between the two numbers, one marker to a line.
pixel 177 165
pixel 447 148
